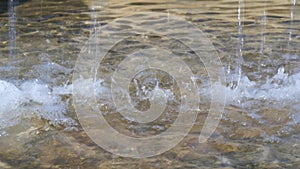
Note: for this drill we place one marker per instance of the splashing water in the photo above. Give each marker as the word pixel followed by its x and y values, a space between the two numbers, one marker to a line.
pixel 281 87
pixel 11 98
pixel 41 99
pixel 31 98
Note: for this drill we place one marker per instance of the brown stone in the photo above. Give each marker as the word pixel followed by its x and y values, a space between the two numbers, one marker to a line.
pixel 4 165
pixel 247 133
pixel 228 147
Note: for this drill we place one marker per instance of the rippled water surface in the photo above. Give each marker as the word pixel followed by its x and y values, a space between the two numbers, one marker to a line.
pixel 258 43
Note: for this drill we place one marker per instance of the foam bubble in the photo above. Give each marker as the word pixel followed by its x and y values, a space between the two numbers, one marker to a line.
pixel 41 99
pixel 281 88
pixel 10 99
pixel 31 98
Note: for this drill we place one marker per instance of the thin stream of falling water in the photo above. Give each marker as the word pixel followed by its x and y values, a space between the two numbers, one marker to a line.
pixel 168 9
pixel 291 23
pixel 241 11
pixel 263 32
pixel 12 10
pixel 12 29
pixel 96 6
pixel 263 29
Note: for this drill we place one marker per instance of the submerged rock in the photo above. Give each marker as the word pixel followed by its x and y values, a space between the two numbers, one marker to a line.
pixel 4 165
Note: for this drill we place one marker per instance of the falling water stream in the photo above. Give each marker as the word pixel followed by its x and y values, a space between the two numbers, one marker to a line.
pixel 241 11
pixel 292 21
pixel 12 28
pixel 12 6
pixel 258 43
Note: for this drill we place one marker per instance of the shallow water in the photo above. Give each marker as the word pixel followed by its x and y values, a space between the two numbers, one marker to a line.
pixel 258 43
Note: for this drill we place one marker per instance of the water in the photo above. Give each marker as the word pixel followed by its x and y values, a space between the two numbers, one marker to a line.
pixel 12 28
pixel 258 43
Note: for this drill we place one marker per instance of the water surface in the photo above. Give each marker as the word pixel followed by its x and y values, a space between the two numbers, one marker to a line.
pixel 258 43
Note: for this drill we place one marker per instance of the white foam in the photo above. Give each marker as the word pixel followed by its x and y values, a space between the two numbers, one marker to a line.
pixel 10 99
pixel 39 98
pixel 282 92
pixel 281 88
pixel 32 98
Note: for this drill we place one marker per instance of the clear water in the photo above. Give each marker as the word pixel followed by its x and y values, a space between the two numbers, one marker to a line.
pixel 258 43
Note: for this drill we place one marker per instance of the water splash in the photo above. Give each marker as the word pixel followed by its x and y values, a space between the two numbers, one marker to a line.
pixel 10 98
pixel 45 101
pixel 32 99
pixel 36 97
pixel 282 87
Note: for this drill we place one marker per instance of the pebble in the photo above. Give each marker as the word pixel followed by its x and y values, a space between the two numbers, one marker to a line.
pixel 4 165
